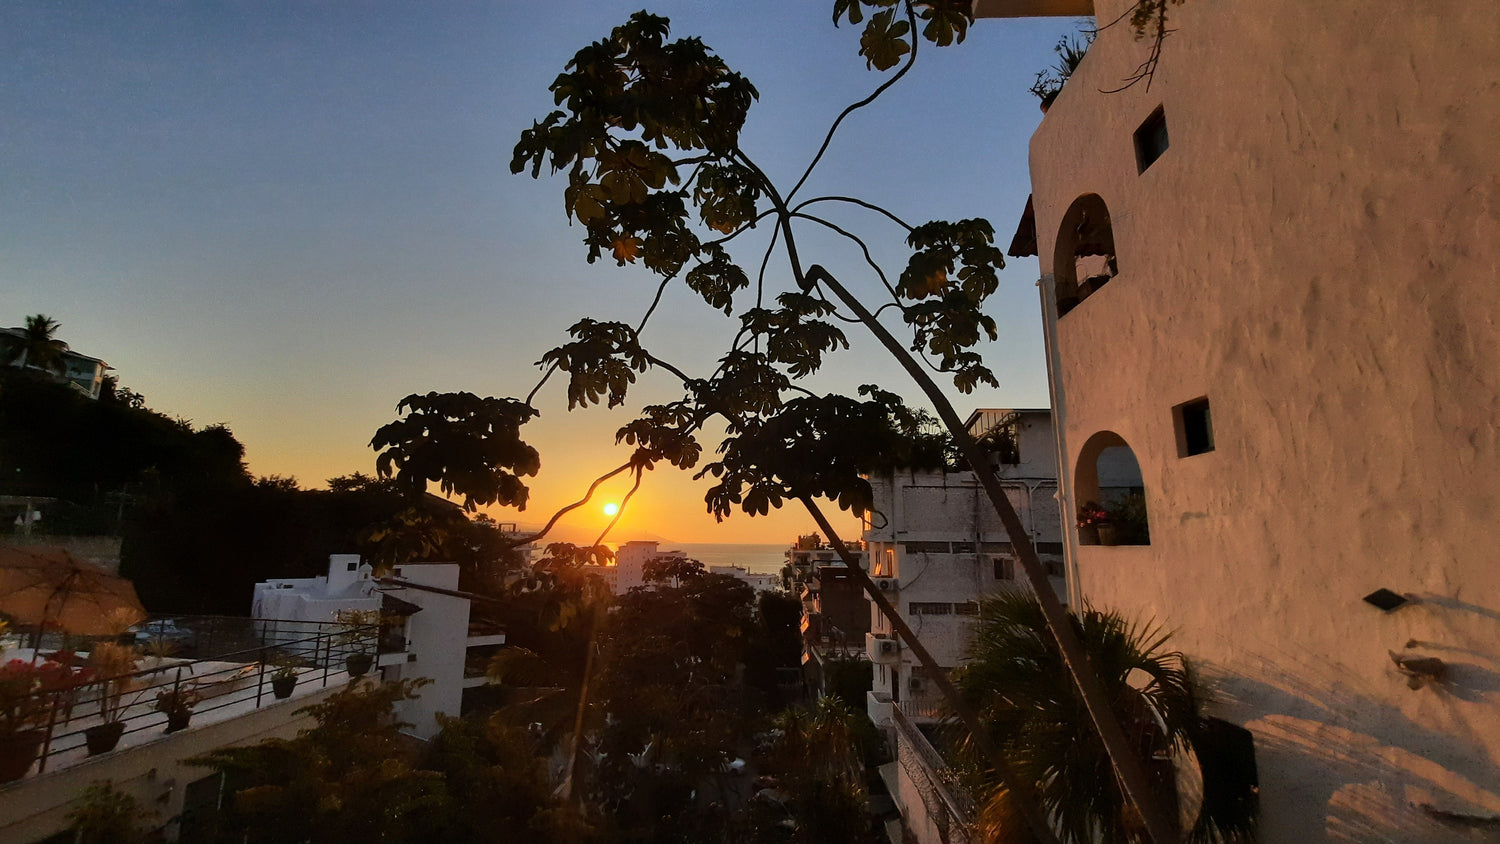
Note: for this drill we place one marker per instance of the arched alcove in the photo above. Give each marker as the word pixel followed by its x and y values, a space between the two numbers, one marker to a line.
pixel 1083 259
pixel 1108 474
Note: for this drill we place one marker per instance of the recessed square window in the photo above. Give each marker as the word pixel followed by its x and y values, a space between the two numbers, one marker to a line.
pixel 1195 428
pixel 1151 140
pixel 1005 568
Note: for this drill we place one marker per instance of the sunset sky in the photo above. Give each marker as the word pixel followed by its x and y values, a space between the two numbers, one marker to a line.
pixel 286 216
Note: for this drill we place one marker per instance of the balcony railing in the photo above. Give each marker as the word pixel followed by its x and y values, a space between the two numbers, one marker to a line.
pixel 227 685
pixel 912 744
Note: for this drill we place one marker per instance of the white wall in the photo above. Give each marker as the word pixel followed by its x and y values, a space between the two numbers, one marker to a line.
pixel 154 773
pixel 438 638
pixel 1315 253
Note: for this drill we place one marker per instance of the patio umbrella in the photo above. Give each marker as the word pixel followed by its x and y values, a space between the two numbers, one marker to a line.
pixel 47 589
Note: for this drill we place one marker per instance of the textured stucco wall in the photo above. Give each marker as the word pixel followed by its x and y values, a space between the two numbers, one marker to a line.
pixel 1316 253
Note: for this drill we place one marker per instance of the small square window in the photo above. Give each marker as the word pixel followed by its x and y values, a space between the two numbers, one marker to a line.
pixel 352 566
pixel 1005 568
pixel 1151 140
pixel 1195 428
pixel 1054 568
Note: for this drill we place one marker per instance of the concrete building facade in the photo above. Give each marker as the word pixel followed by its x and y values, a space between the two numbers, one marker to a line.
pixel 1269 275
pixel 435 639
pixel 935 546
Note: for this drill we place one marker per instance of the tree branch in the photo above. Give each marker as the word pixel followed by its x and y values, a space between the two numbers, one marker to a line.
pixel 911 18
pixel 860 202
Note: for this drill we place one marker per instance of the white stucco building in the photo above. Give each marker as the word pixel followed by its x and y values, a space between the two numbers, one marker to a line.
pixel 436 640
pixel 935 545
pixel 1270 275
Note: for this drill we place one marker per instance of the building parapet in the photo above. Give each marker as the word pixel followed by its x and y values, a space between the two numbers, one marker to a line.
pixel 947 808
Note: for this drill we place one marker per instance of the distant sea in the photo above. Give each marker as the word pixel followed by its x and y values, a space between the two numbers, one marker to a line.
pixel 766 559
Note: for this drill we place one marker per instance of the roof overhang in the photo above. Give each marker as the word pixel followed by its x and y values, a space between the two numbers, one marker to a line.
pixel 1023 244
pixel 1033 8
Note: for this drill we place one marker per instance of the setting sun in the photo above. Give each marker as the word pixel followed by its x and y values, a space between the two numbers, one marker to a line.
pixel 611 508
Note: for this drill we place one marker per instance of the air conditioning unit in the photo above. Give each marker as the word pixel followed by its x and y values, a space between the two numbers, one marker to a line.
pixel 915 684
pixel 885 585
pixel 887 647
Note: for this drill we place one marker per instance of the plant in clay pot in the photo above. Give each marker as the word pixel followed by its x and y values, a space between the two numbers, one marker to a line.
pixel 1070 51
pixel 358 629
pixel 1129 516
pixel 284 680
pixel 23 713
pixel 1092 519
pixel 113 665
pixel 177 704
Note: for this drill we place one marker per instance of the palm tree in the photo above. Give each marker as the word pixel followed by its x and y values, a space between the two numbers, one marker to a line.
pixel 1017 680
pixel 37 348
pixel 816 763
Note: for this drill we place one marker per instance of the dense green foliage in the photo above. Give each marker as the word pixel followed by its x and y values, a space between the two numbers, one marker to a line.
pixel 814 758
pixel 1016 677
pixel 106 815
pixel 354 778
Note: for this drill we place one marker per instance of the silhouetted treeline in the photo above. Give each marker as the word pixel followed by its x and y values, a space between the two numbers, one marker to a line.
pixel 198 530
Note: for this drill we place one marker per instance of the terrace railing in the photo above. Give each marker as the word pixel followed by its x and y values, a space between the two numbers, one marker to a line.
pixel 228 684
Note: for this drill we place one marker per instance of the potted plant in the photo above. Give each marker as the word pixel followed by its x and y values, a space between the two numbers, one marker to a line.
pixel 23 712
pixel 284 680
pixel 1091 517
pixel 1129 515
pixel 1049 83
pixel 359 628
pixel 177 704
pixel 113 665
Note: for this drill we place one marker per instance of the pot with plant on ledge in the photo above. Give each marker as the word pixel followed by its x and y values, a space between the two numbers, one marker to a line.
pixel 113 665
pixel 1049 83
pixel 177 704
pixel 358 629
pixel 1092 522
pixel 23 715
pixel 284 681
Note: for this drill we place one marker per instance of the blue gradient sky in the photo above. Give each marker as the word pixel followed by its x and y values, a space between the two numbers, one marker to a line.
pixel 285 217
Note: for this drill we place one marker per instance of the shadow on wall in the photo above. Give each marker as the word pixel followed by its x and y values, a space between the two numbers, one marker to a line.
pixel 1362 768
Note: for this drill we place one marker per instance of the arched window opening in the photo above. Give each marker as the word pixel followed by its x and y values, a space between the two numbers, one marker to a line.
pixel 1110 493
pixel 1084 258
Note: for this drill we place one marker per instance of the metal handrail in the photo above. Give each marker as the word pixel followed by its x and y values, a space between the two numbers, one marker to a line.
pixel 329 645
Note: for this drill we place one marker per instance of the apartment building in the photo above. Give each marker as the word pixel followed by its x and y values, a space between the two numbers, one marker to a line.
pixel 935 546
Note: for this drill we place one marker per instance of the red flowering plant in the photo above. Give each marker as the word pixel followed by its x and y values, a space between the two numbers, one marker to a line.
pixel 1092 514
pixel 23 704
